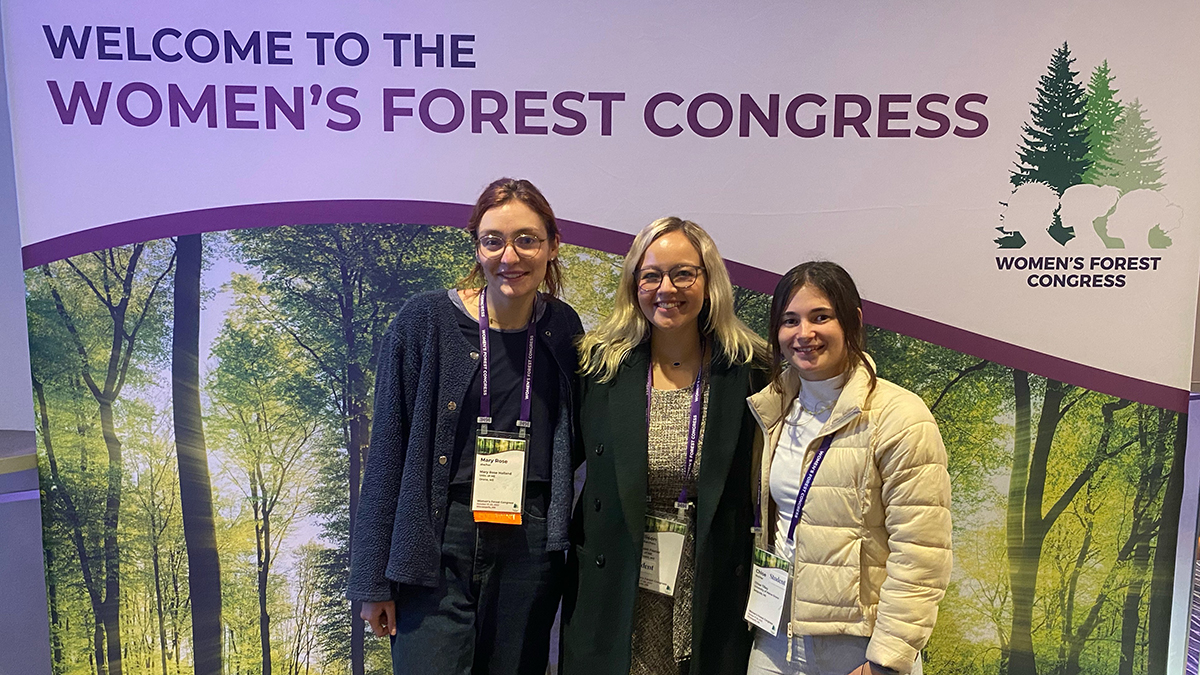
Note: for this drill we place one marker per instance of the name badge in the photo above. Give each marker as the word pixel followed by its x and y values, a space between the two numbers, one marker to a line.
pixel 662 549
pixel 498 487
pixel 768 591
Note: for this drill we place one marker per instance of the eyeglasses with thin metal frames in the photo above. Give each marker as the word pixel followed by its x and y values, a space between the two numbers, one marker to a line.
pixel 681 276
pixel 525 245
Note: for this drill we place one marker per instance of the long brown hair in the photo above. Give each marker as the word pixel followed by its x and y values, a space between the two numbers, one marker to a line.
pixel 499 193
pixel 835 283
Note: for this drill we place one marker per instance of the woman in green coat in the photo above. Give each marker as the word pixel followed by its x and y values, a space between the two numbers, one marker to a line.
pixel 659 573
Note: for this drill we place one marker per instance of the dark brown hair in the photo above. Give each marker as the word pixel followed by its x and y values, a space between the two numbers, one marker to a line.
pixel 835 283
pixel 499 193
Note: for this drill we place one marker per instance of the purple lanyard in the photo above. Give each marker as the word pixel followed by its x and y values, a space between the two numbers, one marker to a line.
pixel 693 437
pixel 808 480
pixel 485 391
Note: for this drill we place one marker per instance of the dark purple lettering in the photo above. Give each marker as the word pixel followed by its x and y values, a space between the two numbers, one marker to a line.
pixel 156 45
pixel 67 34
pixel 353 117
pixel 233 106
pixel 104 42
pixel 458 50
pixel 427 101
pixel 391 111
pixel 397 39
pixel 276 48
pixel 156 105
pixel 214 45
pixel 420 50
pixel 252 46
pixel 560 107
pixel 79 94
pixel 523 112
pixel 652 105
pixel 606 99
pixel 841 120
pixel 887 115
pixel 495 117
pixel 207 102
pixel 980 120
pixel 793 124
pixel 319 38
pixel 925 112
pixel 767 121
pixel 294 113
pixel 131 51
pixel 339 49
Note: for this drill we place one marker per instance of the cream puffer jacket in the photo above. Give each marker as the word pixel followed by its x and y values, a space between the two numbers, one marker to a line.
pixel 873 543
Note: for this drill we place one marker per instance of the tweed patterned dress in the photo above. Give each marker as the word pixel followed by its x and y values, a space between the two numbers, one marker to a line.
pixel 662 625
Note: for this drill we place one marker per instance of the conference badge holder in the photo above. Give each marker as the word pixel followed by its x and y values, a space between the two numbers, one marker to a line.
pixel 662 551
pixel 498 487
pixel 768 591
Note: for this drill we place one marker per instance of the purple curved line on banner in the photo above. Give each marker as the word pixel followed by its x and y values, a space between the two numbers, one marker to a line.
pixel 590 236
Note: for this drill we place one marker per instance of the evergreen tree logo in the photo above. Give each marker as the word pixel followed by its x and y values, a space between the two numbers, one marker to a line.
pixel 1087 164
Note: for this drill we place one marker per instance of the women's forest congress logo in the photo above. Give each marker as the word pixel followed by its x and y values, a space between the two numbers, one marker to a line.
pixel 1087 186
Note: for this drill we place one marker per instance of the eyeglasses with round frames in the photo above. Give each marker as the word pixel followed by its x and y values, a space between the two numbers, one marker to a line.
pixel 525 245
pixel 681 276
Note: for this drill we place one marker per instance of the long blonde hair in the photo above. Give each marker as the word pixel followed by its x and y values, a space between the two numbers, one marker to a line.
pixel 604 348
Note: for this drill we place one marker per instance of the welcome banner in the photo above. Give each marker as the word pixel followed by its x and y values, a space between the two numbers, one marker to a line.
pixel 221 207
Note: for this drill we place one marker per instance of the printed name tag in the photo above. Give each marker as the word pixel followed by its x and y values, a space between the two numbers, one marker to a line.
pixel 498 488
pixel 662 549
pixel 768 591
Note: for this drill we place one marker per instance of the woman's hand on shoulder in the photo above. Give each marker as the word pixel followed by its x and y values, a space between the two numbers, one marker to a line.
pixel 381 616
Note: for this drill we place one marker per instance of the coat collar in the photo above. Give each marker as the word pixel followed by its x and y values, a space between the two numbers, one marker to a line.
pixel 727 387
pixel 770 405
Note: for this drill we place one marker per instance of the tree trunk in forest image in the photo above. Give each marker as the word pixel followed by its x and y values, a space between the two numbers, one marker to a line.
pixel 1027 523
pixel 195 488
pixel 114 288
pixel 60 493
pixel 1163 577
pixel 262 550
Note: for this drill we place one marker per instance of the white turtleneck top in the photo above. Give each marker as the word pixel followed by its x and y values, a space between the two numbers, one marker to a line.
pixel 810 411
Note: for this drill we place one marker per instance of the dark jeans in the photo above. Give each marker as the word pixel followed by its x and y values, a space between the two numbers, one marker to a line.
pixel 492 611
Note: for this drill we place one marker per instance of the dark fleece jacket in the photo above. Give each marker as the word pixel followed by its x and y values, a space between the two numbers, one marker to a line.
pixel 425 369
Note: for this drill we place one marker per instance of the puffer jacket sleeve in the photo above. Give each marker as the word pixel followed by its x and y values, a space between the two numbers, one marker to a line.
pixel 916 499
pixel 376 515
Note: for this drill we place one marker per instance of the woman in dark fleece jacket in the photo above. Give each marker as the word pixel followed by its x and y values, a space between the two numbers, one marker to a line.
pixel 459 540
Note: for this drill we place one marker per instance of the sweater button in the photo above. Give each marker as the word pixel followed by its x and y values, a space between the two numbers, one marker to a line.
pixel 547 333
pixel 474 354
pixel 597 504
pixel 451 406
pixel 600 560
pixel 442 460
pixel 599 449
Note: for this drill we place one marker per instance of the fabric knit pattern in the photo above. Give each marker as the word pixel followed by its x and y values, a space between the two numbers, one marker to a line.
pixel 425 369
pixel 662 625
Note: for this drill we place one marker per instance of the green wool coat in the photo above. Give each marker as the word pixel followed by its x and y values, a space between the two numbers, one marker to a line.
pixel 610 518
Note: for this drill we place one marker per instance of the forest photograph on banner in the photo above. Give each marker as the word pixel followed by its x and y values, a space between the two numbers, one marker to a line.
pixel 222 208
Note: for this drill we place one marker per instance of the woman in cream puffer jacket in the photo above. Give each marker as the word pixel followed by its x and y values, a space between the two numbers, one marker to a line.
pixel 872 552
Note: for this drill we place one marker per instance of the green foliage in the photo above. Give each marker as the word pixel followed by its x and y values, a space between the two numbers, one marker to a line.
pixel 1101 112
pixel 276 394
pixel 1054 146
pixel 1135 151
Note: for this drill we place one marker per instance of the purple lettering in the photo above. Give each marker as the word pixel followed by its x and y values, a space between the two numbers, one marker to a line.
pixel 560 107
pixel 79 94
pixel 353 117
pixel 391 111
pixel 841 120
pixel 980 120
pixel 276 102
pixel 427 101
pixel 793 124
pixel 495 117
pixel 606 99
pixel 652 105
pixel 887 115
pixel 925 112
pixel 233 106
pixel 207 102
pixel 123 104
pixel 767 121
pixel 524 112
